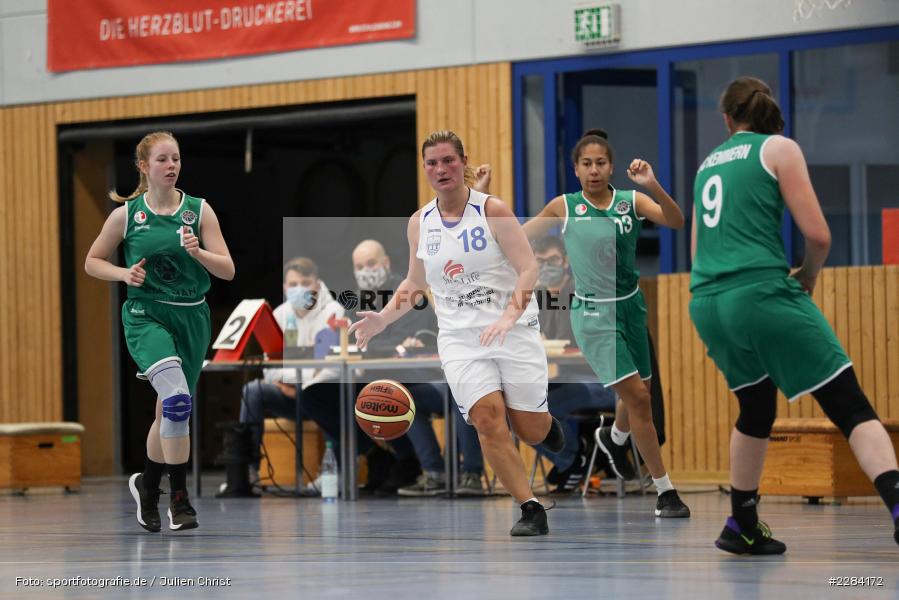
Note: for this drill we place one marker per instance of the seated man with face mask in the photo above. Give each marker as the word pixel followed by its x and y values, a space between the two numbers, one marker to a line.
pixel 306 311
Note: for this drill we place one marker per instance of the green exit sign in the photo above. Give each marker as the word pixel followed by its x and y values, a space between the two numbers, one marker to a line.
pixel 597 25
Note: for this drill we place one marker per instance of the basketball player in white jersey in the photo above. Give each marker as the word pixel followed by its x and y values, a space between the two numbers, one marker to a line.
pixel 472 252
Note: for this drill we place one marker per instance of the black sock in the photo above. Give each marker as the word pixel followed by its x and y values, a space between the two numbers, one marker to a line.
pixel 887 485
pixel 744 505
pixel 152 474
pixel 178 477
pixel 555 439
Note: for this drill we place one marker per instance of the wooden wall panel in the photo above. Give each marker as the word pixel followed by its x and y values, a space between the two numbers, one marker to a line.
pixel 892 334
pixel 6 270
pixel 29 267
pixel 860 303
pixel 475 102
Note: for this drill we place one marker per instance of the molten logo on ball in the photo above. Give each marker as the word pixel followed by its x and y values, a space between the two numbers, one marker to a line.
pixel 384 409
pixel 379 407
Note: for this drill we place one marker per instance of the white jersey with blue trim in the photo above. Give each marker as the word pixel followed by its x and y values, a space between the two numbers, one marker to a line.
pixel 470 277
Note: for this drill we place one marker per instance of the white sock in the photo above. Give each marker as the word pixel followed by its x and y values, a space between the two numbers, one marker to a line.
pixel 618 436
pixel 663 484
pixel 530 500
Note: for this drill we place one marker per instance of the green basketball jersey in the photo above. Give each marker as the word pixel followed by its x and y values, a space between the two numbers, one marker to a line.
pixel 739 212
pixel 173 275
pixel 602 245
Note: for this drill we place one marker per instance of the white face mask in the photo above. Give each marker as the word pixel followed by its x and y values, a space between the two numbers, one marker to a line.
pixel 300 297
pixel 371 279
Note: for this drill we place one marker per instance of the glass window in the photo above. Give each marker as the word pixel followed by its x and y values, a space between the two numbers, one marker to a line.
pixel 698 126
pixel 623 102
pixel 532 107
pixel 846 120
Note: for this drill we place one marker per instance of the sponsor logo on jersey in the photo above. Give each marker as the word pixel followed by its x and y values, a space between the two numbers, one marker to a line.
pixel 576 219
pixel 136 310
pixel 533 322
pixel 451 269
pixel 140 217
pixel 580 209
pixel 623 207
pixel 188 217
pixel 433 243
pixel 165 268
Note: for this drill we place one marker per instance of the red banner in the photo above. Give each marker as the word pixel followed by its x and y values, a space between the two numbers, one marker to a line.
pixel 88 34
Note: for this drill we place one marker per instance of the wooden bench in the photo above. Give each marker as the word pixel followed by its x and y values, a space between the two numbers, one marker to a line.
pixel 280 453
pixel 812 459
pixel 40 454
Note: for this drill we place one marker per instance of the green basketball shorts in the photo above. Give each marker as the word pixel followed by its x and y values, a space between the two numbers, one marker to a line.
pixel 769 329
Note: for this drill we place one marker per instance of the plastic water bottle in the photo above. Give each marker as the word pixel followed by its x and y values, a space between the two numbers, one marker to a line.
pixel 328 474
pixel 291 332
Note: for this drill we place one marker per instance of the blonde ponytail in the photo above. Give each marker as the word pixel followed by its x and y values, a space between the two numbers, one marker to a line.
pixel 140 189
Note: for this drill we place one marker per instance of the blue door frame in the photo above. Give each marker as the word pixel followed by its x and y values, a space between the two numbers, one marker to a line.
pixel 663 61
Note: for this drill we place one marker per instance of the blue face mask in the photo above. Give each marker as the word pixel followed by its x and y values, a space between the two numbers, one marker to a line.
pixel 300 298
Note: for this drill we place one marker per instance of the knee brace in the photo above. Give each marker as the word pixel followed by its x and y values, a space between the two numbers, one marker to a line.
pixel 758 409
pixel 844 402
pixel 169 382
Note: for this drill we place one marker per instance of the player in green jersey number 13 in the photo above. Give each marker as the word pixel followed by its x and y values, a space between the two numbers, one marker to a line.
pixel 600 226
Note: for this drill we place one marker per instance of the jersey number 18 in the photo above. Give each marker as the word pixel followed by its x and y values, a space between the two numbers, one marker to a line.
pixel 478 241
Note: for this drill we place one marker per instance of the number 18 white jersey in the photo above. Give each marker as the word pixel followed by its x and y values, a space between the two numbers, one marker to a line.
pixel 470 278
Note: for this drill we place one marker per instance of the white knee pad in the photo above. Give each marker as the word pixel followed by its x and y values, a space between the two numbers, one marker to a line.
pixel 169 382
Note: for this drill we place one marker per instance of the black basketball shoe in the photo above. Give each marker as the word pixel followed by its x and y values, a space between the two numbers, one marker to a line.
pixel 532 521
pixel 181 514
pixel 615 454
pixel 147 503
pixel 758 541
pixel 669 505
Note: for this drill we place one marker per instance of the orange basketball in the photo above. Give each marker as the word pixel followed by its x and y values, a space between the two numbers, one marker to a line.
pixel 385 409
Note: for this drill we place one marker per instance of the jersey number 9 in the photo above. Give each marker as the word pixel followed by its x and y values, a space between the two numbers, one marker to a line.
pixel 712 196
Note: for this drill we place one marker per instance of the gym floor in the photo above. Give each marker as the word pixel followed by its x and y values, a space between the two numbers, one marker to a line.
pixel 434 548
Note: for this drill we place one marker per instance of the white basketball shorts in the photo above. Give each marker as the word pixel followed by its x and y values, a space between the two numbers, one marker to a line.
pixel 517 368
